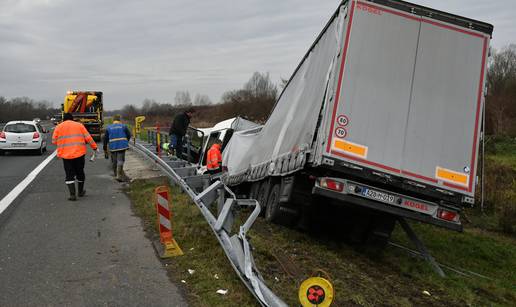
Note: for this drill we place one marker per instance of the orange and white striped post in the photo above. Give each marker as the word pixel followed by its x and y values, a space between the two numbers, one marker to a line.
pixel 169 246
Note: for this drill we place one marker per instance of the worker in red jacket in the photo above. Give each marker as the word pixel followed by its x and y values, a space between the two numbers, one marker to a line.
pixel 214 159
pixel 71 139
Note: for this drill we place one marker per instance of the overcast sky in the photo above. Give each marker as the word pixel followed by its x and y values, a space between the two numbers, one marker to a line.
pixel 135 49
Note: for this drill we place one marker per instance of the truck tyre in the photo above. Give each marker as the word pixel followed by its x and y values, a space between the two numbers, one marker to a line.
pixel 272 211
pixel 263 194
pixel 253 191
pixel 380 231
pixel 1 152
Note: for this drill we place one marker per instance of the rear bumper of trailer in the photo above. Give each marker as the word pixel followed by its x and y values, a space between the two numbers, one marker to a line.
pixel 352 199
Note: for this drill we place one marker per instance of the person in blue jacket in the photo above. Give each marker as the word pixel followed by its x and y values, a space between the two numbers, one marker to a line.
pixel 116 140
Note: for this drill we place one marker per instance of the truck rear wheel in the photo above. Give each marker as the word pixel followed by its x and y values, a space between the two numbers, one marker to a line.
pixel 263 193
pixel 272 211
pixel 380 231
pixel 253 191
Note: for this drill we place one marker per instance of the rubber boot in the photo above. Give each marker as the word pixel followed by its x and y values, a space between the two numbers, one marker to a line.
pixel 71 188
pixel 82 191
pixel 120 175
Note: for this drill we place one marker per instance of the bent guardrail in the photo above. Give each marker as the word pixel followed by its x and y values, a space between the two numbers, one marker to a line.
pixel 206 196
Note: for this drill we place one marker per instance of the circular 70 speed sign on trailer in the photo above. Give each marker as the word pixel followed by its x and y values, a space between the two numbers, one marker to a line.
pixel 341 132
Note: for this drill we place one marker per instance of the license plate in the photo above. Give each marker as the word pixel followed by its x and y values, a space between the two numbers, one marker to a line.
pixel 18 144
pixel 380 196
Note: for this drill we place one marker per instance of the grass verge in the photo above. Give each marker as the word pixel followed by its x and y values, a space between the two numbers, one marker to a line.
pixel 361 277
pixel 202 251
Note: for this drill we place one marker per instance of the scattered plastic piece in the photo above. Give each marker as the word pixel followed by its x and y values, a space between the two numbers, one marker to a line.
pixel 426 293
pixel 183 281
pixel 276 278
pixel 222 291
pixel 216 276
pixel 191 271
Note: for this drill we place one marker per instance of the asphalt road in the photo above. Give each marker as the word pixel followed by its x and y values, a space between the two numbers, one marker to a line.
pixel 92 252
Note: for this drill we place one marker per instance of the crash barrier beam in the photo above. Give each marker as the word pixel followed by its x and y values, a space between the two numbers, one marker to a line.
pixel 235 246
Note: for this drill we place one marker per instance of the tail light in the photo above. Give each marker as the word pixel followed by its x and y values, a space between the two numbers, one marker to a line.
pixel 446 215
pixel 35 136
pixel 331 184
pixel 2 135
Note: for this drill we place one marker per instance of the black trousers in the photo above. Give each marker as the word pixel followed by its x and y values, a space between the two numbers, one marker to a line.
pixel 177 142
pixel 74 168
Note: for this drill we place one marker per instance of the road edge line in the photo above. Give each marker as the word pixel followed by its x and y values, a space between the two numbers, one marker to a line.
pixel 18 189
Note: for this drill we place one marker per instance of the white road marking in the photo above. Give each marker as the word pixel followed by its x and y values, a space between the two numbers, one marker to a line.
pixel 9 198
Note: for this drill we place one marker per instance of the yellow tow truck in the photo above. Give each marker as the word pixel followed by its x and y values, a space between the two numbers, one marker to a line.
pixel 86 108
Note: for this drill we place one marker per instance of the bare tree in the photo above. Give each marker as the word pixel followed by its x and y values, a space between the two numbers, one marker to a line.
pixel 501 99
pixel 201 100
pixel 261 86
pixel 283 83
pixel 20 108
pixel 183 98
pixel 129 112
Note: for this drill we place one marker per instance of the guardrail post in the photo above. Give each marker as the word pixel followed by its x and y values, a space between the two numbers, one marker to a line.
pixel 188 152
pixel 158 141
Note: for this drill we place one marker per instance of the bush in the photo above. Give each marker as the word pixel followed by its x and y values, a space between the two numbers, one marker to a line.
pixel 500 193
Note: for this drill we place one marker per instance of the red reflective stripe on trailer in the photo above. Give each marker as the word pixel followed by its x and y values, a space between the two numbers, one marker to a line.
pixel 479 103
pixel 392 169
pixel 458 187
pixel 452 28
pixel 399 13
pixel 342 63
pixel 419 176
pixel 419 18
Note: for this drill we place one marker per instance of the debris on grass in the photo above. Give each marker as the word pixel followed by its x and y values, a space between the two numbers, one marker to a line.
pixel 222 291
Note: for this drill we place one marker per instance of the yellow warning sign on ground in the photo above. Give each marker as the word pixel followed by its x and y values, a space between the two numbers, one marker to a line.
pixel 316 291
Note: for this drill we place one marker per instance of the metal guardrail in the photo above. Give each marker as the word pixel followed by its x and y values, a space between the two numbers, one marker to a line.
pixel 206 196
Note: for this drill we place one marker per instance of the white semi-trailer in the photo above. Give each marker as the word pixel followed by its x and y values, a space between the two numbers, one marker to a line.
pixel 383 113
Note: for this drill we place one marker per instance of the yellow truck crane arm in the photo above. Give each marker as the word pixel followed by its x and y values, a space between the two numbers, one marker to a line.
pixel 79 102
pixel 87 108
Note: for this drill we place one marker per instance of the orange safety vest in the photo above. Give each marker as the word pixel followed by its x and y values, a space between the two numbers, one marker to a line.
pixel 214 157
pixel 71 139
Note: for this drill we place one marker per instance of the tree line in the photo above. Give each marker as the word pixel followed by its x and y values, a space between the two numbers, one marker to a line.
pixel 501 93
pixel 24 108
pixel 253 101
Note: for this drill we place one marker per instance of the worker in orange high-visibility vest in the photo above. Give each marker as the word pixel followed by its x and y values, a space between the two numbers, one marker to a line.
pixel 214 159
pixel 71 139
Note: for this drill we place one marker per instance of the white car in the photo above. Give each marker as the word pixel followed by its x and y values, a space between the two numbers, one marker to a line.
pixel 23 135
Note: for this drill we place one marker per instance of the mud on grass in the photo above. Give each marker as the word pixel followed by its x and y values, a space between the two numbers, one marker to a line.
pixel 360 277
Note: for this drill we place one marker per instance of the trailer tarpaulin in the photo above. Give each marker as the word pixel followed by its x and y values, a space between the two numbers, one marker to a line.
pixel 280 146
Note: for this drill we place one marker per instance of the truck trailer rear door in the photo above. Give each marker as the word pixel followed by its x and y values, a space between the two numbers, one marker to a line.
pixel 408 96
pixel 445 108
pixel 374 86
